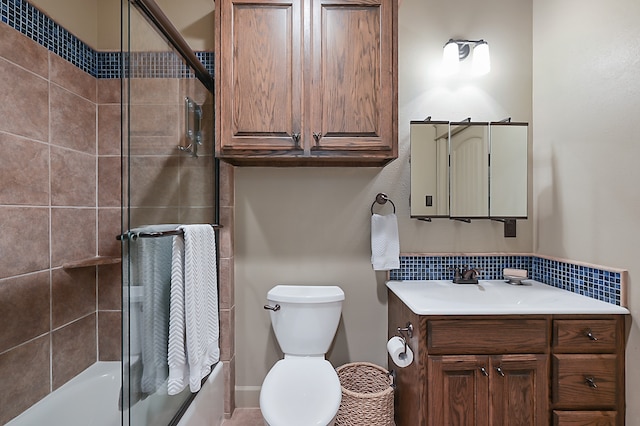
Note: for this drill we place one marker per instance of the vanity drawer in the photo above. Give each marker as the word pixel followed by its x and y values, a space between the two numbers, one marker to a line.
pixel 584 381
pixel 584 336
pixel 477 336
pixel 584 418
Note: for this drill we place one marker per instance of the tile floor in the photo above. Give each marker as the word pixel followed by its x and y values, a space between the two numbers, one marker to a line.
pixel 245 417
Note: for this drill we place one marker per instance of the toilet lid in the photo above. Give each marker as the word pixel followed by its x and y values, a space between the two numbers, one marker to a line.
pixel 300 391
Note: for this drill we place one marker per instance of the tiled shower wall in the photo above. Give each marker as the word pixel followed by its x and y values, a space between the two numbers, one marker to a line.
pixel 59 320
pixel 56 206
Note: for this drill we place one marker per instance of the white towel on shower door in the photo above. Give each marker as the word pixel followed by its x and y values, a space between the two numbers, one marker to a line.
pixel 151 268
pixel 193 318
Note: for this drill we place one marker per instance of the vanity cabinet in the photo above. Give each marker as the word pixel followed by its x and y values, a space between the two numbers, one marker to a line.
pixel 565 370
pixel 306 83
pixel 588 371
pixel 487 390
pixel 487 371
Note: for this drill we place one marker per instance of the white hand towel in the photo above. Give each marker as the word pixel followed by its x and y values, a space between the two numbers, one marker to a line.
pixel 194 324
pixel 385 244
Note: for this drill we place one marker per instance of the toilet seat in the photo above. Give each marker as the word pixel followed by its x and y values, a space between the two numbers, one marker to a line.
pixel 300 391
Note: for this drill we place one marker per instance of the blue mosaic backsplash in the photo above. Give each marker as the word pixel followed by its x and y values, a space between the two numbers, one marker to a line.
pixel 592 282
pixel 28 20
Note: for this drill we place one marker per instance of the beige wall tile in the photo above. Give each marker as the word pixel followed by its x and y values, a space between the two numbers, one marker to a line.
pixel 73 349
pixel 25 377
pixel 227 185
pixel 23 51
pixel 225 277
pixel 155 145
pixel 73 294
pixel 73 235
pixel 156 120
pixel 146 216
pixel 109 336
pixel 109 181
pixel 227 327
pixel 155 91
pixel 110 287
pixel 109 91
pixel 196 181
pixel 24 240
pixel 73 121
pixel 108 228
pixel 25 308
pixel 24 171
pixel 72 78
pixel 73 178
pixel 109 120
pixel 24 109
pixel 155 181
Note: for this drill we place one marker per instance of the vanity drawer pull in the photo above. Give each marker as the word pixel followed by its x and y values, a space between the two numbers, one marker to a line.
pixel 484 371
pixel 500 372
pixel 590 335
pixel 591 381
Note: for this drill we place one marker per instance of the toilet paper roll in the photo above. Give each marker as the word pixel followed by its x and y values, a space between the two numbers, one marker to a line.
pixel 395 347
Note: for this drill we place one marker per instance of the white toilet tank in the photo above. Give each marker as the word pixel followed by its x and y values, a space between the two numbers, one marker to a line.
pixel 307 319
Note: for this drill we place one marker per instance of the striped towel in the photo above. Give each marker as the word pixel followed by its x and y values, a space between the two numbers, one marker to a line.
pixel 193 317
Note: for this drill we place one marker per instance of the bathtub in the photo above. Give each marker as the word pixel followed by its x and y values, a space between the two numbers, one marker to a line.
pixel 92 398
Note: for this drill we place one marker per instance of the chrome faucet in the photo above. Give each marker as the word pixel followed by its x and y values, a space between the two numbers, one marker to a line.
pixel 465 275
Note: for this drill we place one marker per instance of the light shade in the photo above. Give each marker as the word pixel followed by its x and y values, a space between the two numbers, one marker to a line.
pixel 481 61
pixel 451 57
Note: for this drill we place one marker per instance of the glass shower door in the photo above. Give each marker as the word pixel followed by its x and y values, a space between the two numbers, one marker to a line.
pixel 168 180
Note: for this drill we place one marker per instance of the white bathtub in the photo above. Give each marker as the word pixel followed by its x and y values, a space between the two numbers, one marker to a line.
pixel 92 398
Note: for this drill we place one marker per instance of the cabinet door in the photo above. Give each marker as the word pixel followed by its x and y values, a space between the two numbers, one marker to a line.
pixel 353 94
pixel 519 390
pixel 458 390
pixel 260 75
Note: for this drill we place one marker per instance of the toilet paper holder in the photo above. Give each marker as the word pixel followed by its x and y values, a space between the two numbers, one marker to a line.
pixel 406 329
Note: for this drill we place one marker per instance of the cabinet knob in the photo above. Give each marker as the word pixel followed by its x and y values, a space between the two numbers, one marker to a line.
pixel 591 381
pixel 500 372
pixel 296 138
pixel 317 136
pixel 590 335
pixel 484 371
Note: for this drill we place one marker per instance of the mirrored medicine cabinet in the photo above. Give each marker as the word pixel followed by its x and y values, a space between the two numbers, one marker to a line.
pixel 469 170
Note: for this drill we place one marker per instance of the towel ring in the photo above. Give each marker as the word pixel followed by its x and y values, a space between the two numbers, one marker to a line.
pixel 382 198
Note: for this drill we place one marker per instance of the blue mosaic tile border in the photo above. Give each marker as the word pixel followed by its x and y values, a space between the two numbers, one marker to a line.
pixel 28 20
pixel 25 18
pixel 592 282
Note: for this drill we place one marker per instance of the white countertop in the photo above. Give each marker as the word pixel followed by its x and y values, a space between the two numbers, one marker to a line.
pixel 495 297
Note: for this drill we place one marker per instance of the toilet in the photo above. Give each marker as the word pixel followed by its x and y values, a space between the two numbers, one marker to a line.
pixel 302 388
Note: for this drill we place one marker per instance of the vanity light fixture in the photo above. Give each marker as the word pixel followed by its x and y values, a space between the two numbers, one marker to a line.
pixel 458 50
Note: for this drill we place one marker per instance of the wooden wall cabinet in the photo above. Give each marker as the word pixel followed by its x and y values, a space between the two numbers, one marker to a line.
pixel 306 83
pixel 537 370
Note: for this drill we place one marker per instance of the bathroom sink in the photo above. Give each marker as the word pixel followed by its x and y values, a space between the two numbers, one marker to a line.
pixel 495 297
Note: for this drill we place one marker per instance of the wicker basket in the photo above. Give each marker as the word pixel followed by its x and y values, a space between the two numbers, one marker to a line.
pixel 367 395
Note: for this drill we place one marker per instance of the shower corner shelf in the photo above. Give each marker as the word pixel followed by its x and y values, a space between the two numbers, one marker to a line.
pixel 92 261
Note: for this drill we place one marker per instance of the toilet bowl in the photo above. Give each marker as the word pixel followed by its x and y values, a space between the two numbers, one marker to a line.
pixel 300 391
pixel 303 388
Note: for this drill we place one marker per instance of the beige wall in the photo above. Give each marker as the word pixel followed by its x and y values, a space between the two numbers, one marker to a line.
pixel 97 22
pixel 312 226
pixel 79 17
pixel 586 92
